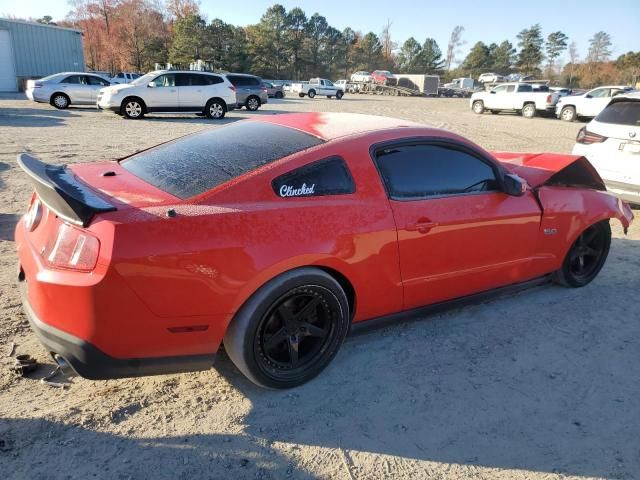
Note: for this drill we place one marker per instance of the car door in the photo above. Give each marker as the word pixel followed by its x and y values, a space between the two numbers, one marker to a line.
pixel 75 86
pixel 595 101
pixel 190 91
pixel 162 94
pixel 329 88
pixel 458 233
pixel 498 98
pixel 95 84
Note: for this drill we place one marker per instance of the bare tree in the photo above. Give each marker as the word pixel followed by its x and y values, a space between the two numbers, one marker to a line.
pixel 388 45
pixel 574 58
pixel 455 42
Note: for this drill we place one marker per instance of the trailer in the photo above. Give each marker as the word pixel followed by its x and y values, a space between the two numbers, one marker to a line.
pixel 405 85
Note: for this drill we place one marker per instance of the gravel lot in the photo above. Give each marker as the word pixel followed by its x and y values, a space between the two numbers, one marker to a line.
pixel 538 385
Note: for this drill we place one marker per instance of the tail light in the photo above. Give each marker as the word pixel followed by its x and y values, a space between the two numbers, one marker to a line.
pixel 586 137
pixel 264 89
pixel 232 88
pixel 34 213
pixel 73 249
pixel 549 98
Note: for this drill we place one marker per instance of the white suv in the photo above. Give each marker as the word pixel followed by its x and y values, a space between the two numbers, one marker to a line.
pixel 589 104
pixel 124 77
pixel 169 91
pixel 611 142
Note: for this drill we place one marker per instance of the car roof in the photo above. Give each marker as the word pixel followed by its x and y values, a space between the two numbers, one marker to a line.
pixel 330 126
pixel 243 75
pixel 635 95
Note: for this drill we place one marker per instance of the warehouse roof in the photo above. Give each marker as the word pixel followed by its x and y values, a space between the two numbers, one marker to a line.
pixel 36 24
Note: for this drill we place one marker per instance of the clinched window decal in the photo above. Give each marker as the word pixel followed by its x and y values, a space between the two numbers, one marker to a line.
pixel 289 191
pixel 324 177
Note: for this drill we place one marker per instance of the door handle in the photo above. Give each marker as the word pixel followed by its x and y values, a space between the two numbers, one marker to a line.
pixel 423 225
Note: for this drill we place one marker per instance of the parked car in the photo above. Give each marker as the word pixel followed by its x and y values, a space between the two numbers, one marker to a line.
pixel 64 89
pixel 342 85
pixel 490 78
pixel 250 91
pixel 383 77
pixel 169 91
pixel 561 91
pixel 588 104
pixel 611 142
pixel 317 86
pixel 274 90
pixel 124 77
pixel 520 97
pixel 361 76
pixel 273 236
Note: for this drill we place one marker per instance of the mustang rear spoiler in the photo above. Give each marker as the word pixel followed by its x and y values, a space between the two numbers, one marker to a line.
pixel 61 191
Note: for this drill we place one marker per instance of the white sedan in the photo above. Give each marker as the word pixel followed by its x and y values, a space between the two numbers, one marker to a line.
pixel 361 76
pixel 611 142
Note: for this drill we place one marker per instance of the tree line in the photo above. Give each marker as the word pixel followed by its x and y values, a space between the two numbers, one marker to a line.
pixel 137 34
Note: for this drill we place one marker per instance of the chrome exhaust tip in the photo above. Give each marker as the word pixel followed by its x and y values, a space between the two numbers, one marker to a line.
pixel 65 368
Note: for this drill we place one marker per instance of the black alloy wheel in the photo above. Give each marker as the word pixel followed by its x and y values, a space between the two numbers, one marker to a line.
pixel 586 256
pixel 296 329
pixel 290 329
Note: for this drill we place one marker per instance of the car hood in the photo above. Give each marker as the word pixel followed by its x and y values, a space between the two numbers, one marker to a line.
pixel 117 87
pixel 551 168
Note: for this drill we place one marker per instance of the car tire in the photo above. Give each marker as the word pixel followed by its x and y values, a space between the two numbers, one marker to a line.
pixel 279 95
pixel 215 109
pixel 339 94
pixel 252 103
pixel 568 114
pixel 60 101
pixel 132 108
pixel 301 313
pixel 301 95
pixel 478 107
pixel 312 93
pixel 586 256
pixel 529 110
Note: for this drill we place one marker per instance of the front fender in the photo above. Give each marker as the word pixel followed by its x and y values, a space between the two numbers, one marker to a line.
pixel 568 211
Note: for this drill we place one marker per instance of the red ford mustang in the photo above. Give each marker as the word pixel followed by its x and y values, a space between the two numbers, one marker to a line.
pixel 275 235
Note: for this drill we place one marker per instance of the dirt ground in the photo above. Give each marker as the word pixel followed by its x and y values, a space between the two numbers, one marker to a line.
pixel 539 385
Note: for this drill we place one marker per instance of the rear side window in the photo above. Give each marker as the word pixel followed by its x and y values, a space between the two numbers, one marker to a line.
pixel 212 79
pixel 237 80
pixel 324 177
pixel 621 113
pixel 416 172
pixel 75 79
pixel 200 162
pixel 525 88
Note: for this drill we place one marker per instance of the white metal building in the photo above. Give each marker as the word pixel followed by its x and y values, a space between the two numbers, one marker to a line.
pixel 33 50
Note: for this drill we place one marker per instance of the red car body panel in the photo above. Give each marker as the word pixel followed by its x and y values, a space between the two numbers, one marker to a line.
pixel 167 286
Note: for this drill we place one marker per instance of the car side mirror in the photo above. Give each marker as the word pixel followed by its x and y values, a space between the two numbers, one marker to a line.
pixel 514 185
pixel 492 91
pixel 151 85
pixel 588 96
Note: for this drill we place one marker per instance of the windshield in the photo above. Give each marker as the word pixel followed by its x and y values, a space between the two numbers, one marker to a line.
pixel 144 79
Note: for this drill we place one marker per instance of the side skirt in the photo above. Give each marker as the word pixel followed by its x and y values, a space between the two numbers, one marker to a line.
pixel 418 313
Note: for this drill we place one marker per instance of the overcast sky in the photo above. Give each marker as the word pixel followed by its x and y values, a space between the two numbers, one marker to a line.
pixel 486 21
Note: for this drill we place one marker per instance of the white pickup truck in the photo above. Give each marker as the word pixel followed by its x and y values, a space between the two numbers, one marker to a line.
pixel 521 97
pixel 317 86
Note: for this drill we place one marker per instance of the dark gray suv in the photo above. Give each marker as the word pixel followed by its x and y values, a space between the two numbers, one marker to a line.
pixel 250 92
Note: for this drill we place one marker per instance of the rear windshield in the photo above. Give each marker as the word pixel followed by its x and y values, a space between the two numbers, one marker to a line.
pixel 621 113
pixel 200 162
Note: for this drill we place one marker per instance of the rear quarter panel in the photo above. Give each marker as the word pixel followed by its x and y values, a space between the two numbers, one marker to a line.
pixel 216 252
